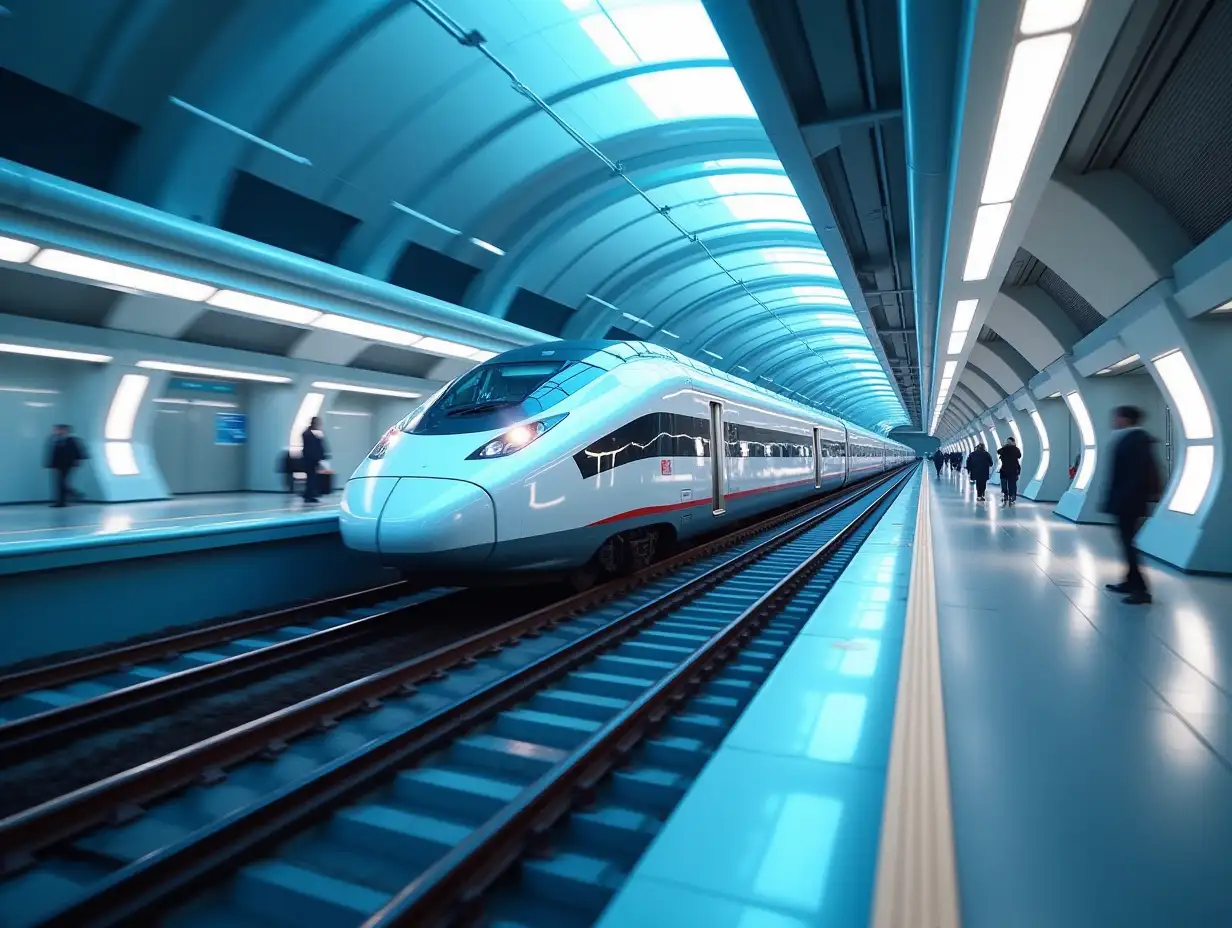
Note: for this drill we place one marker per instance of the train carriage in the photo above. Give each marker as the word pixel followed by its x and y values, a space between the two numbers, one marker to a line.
pixel 590 457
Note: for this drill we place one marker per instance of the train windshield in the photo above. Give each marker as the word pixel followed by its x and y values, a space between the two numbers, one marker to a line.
pixel 491 387
pixel 496 395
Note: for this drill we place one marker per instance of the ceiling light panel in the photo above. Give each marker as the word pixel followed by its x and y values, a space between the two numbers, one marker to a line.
pixel 369 330
pixel 1034 72
pixel 222 373
pixel 371 391
pixel 265 308
pixel 38 351
pixel 120 275
pixel 1041 16
pixel 16 251
pixel 985 239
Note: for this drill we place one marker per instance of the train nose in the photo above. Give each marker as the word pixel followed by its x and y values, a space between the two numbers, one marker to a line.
pixel 428 520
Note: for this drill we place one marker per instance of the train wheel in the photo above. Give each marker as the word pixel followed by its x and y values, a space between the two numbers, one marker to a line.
pixel 629 551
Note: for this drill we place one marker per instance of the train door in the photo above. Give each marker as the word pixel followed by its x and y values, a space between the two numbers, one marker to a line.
pixel 817 458
pixel 718 449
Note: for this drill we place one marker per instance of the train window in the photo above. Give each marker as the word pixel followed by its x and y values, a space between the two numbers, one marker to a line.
pixel 497 395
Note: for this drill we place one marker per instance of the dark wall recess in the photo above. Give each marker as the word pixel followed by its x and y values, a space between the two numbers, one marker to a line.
pixel 276 216
pixel 50 131
pixel 432 273
pixel 538 312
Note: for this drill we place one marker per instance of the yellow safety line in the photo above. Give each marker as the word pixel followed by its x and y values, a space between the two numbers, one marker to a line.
pixel 917 880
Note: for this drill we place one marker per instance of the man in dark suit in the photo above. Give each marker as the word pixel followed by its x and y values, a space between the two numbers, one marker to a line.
pixel 1133 484
pixel 979 466
pixel 64 453
pixel 314 453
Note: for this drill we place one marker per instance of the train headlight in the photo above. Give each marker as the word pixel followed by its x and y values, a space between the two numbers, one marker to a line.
pixel 515 439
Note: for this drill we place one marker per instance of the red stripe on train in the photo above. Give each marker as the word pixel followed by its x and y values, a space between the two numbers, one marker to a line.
pixel 655 510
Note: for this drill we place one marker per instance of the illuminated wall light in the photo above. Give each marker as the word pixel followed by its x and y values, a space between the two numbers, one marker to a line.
pixel 309 409
pixel 602 302
pixel 637 319
pixel 985 239
pixel 1081 417
pixel 1196 475
pixel 122 414
pixel 15 251
pixel 443 347
pixel 265 308
pixel 1130 360
pixel 1017 434
pixel 1042 16
pixel 367 330
pixel 211 372
pixel 38 351
pixel 669 334
pixel 1187 397
pixel 487 246
pixel 1043 437
pixel 713 355
pixel 482 356
pixel 120 459
pixel 957 340
pixel 423 218
pixel 356 388
pixel 121 275
pixel 1034 72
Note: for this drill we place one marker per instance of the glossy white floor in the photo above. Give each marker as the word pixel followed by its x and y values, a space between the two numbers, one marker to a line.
pixel 34 526
pixel 1090 741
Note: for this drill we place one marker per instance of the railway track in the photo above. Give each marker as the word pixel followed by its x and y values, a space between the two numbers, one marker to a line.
pixel 41 709
pixel 421 775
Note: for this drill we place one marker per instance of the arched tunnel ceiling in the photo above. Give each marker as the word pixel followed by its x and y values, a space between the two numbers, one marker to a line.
pixel 390 111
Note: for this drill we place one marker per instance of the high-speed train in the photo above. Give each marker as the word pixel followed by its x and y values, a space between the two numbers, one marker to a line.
pixel 580 458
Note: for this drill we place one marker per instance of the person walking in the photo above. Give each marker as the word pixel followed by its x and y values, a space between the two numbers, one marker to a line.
pixel 64 453
pixel 313 454
pixel 979 466
pixel 1133 484
pixel 1011 467
pixel 938 460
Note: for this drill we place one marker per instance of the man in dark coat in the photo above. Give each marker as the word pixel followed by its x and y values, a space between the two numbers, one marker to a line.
pixel 979 466
pixel 938 459
pixel 314 453
pixel 1133 484
pixel 64 453
pixel 1011 467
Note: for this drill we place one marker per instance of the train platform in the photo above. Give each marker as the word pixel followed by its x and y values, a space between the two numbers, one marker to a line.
pixel 1089 742
pixel 41 537
pixel 89 575
pixel 781 828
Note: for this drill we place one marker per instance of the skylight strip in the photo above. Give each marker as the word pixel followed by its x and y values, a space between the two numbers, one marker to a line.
pixel 236 130
pixel 423 218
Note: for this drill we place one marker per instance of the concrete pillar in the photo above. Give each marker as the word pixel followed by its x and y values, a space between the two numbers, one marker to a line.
pixel 1048 477
pixel 1091 401
pixel 1188 360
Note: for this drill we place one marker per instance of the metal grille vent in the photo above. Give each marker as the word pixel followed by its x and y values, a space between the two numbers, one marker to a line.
pixel 1179 152
pixel 988 335
pixel 1024 270
pixel 1081 313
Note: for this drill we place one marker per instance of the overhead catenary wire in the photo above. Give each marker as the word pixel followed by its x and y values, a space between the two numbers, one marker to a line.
pixel 471 38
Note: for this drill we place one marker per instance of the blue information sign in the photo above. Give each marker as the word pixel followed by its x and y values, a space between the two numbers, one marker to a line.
pixel 230 428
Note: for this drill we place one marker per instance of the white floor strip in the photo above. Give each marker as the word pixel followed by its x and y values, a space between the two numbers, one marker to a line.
pixel 917 883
